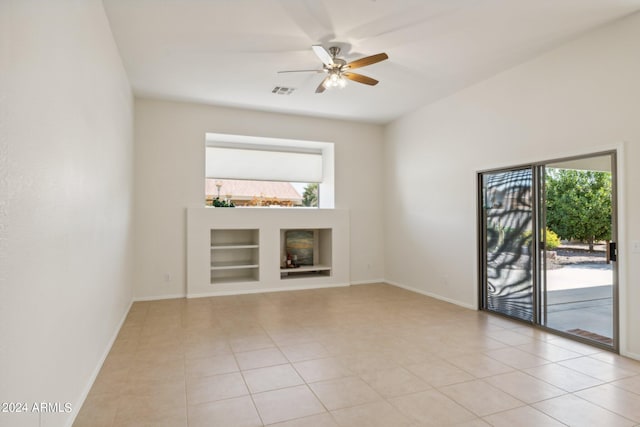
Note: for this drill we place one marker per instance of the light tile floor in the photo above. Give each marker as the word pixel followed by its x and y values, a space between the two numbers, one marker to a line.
pixel 371 355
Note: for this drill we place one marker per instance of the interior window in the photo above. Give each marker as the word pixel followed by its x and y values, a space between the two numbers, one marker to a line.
pixel 267 172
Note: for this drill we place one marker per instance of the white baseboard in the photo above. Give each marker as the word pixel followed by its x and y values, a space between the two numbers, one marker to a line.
pixel 367 282
pixel 432 295
pixel 304 287
pixel 630 354
pixel 264 290
pixel 243 292
pixel 96 371
pixel 158 297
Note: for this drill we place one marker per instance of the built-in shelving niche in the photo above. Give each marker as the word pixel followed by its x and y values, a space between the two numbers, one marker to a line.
pixel 234 255
pixel 313 249
pixel 235 228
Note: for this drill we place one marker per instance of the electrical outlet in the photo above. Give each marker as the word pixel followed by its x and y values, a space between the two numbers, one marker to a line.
pixel 635 246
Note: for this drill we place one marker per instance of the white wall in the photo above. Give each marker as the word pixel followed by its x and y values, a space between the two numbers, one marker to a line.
pixel 169 175
pixel 66 157
pixel 580 98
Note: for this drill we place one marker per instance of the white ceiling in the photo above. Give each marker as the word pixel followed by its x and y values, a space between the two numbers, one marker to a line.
pixel 228 52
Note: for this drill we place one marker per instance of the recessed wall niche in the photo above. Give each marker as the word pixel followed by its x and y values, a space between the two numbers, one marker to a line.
pixel 305 253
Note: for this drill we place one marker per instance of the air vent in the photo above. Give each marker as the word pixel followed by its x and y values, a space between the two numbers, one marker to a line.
pixel 279 90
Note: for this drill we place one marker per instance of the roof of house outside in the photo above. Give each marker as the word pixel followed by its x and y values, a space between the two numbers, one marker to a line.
pixel 247 190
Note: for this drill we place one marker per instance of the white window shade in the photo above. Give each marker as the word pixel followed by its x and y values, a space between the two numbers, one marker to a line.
pixel 233 163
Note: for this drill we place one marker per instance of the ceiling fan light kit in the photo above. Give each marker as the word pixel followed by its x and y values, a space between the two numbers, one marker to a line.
pixel 337 69
pixel 334 79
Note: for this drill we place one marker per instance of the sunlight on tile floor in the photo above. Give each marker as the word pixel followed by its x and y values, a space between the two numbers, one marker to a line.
pixel 370 355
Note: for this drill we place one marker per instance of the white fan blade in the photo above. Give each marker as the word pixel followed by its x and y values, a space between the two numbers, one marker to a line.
pixel 323 54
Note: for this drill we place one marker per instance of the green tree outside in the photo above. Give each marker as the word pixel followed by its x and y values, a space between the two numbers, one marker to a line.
pixel 310 195
pixel 579 204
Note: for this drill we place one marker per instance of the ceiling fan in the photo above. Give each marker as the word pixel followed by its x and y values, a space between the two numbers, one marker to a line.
pixel 338 70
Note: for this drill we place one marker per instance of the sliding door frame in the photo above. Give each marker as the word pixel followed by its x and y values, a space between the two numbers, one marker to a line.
pixel 539 246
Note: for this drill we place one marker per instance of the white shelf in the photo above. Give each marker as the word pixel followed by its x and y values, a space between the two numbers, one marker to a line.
pixel 235 246
pixel 232 265
pixel 305 269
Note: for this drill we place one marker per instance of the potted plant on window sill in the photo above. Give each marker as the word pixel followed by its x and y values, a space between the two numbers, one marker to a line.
pixel 218 203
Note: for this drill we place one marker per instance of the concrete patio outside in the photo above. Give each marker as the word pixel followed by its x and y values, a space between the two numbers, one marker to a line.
pixel 580 296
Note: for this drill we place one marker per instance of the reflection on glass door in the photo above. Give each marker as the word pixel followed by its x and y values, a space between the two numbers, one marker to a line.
pixel 507 212
pixel 580 274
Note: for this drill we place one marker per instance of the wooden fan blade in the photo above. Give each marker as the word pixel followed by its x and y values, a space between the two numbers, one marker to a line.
pixel 367 60
pixel 323 54
pixel 321 87
pixel 360 78
pixel 301 71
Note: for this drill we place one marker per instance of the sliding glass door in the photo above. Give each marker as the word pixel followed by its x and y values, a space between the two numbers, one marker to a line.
pixel 580 275
pixel 547 246
pixel 507 220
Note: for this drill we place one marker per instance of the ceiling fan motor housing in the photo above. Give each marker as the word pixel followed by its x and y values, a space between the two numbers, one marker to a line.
pixel 337 64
